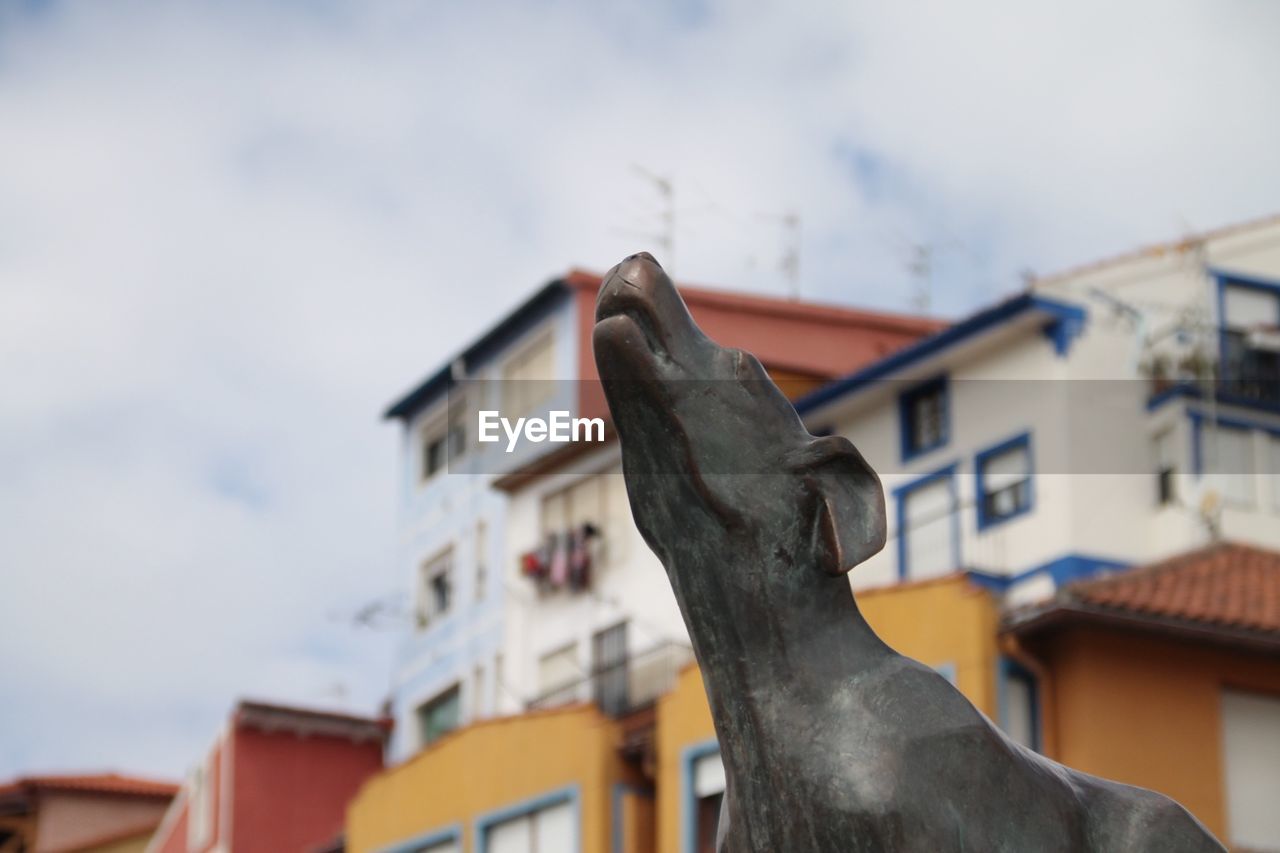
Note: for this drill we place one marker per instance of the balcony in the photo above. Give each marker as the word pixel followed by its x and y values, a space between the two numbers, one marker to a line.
pixel 1250 368
pixel 625 687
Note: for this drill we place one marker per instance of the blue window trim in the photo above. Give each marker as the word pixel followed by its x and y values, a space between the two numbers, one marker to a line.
pixel 1073 316
pixel 1022 439
pixel 909 396
pixel 1063 570
pixel 1010 669
pixel 1223 279
pixel 900 496
pixel 620 790
pixel 1198 420
pixel 688 800
pixel 571 794
pixel 453 833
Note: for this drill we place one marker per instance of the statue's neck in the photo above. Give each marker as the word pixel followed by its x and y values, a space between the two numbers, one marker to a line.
pixel 758 641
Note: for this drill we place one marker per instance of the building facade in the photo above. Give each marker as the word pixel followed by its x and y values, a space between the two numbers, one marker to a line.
pixel 457 662
pixel 98 813
pixel 276 778
pixel 1099 424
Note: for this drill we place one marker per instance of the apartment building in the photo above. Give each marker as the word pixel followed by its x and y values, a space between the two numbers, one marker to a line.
pixel 455 663
pixel 275 778
pixel 1064 512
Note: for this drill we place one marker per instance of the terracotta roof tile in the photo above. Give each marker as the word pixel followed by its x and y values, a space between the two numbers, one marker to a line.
pixel 1228 585
pixel 106 783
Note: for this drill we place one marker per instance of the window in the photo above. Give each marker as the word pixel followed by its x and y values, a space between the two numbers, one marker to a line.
pixel 546 829
pixel 443 441
pixel 1166 468
pixel 433 455
pixel 1019 705
pixel 482 559
pixel 527 377
pixel 925 416
pixel 477 692
pixel 1232 460
pixel 1004 481
pixel 1248 307
pixel 558 676
pixel 200 820
pixel 439 716
pixel 1251 756
pixel 609 669
pixel 436 593
pixel 708 794
pixel 1273 445
pixel 927 527
pixel 1250 356
pixel 581 503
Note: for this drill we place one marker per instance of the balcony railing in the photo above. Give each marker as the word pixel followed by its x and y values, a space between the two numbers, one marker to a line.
pixel 625 686
pixel 1249 371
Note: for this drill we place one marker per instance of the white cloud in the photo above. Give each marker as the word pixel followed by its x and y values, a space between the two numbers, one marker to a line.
pixel 230 233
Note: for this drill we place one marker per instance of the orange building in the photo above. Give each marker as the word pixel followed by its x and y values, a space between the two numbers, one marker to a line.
pixel 1168 677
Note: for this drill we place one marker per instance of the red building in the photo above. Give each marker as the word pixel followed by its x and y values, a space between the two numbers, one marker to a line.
pixel 277 780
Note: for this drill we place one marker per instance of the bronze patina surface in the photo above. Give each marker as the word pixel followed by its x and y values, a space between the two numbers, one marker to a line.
pixel 831 740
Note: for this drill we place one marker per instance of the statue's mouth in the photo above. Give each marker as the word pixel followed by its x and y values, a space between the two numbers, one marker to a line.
pixel 626 321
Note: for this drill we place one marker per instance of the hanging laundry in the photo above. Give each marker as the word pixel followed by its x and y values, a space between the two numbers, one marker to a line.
pixel 580 559
pixel 559 572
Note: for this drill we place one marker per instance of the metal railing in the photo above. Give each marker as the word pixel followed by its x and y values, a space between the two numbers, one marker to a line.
pixel 628 685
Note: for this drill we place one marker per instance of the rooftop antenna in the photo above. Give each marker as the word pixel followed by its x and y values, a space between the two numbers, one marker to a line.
pixel 790 261
pixel 920 265
pixel 666 237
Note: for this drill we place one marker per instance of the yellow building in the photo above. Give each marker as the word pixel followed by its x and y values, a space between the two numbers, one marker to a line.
pixel 1166 676
pixel 574 780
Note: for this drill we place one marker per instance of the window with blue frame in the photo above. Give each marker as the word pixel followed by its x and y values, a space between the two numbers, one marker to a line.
pixel 1004 475
pixel 925 417
pixel 1019 705
pixel 928 526
pixel 1249 356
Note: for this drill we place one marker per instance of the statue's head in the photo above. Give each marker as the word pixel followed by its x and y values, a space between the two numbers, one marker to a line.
pixel 714 454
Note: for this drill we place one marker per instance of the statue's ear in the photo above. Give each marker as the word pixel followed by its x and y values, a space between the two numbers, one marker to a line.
pixel 849 524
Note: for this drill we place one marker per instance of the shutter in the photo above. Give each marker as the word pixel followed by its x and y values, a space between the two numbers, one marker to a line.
pixel 1252 758
pixel 553 830
pixel 512 836
pixel 1274 447
pixel 1019 722
pixel 1233 459
pixel 708 776
pixel 558 668
pixel 1006 468
pixel 1246 307
pixel 928 512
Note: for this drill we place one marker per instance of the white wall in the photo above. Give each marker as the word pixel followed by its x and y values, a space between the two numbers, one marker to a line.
pixel 628 582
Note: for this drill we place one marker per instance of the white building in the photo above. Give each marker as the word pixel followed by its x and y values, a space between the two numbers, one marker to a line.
pixel 467 653
pixel 1037 441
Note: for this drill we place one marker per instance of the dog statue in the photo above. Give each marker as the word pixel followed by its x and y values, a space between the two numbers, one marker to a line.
pixel 831 740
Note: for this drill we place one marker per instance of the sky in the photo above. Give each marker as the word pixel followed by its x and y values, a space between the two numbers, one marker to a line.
pixel 232 232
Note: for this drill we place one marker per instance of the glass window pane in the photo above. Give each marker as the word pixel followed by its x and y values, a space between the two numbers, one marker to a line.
pixel 927 528
pixel 553 829
pixel 512 836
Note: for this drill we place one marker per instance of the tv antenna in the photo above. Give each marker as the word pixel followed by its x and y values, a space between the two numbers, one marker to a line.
pixel 665 238
pixel 789 264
